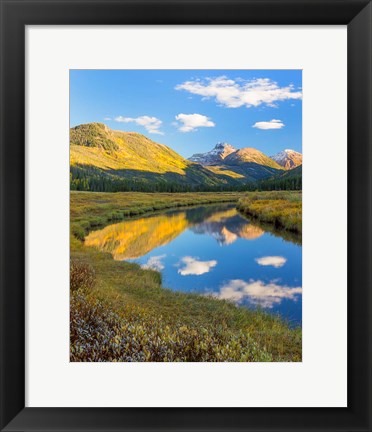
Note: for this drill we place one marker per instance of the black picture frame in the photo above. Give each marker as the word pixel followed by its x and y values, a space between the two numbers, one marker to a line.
pixel 15 15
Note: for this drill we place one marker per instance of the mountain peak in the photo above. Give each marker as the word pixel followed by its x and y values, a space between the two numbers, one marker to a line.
pixel 288 158
pixel 250 155
pixel 93 135
pixel 220 151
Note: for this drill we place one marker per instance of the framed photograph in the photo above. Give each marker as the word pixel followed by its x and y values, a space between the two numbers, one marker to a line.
pixel 186 215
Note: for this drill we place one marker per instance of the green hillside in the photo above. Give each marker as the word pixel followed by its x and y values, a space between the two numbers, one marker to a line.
pixel 287 180
pixel 292 173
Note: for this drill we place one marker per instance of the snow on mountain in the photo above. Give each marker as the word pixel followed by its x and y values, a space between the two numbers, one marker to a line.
pixel 288 158
pixel 215 156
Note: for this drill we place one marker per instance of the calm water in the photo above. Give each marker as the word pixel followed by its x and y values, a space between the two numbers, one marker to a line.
pixel 213 250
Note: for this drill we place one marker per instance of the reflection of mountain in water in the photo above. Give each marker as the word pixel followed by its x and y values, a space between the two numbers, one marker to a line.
pixel 135 238
pixel 226 227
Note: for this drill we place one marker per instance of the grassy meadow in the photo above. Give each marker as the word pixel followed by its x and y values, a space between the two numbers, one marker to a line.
pixel 122 312
pixel 283 209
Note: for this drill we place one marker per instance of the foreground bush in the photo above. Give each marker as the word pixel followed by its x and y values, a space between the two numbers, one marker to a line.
pixel 99 334
pixel 82 276
pixel 282 209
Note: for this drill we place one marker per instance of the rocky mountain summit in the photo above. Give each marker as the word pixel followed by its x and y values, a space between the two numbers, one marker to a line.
pixel 288 158
pixel 215 156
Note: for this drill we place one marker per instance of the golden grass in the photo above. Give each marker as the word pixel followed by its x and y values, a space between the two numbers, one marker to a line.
pixel 282 209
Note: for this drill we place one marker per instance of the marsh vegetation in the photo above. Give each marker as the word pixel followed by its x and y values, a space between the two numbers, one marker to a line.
pixel 283 209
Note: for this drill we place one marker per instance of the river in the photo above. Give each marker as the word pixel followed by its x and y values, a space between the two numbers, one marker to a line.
pixel 213 250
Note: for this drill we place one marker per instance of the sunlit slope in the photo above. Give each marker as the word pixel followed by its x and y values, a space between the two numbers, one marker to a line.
pixel 225 171
pixel 95 148
pixel 288 159
pixel 250 155
pixel 96 144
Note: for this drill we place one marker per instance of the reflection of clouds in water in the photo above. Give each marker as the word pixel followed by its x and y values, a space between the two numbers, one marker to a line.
pixel 257 292
pixel 154 263
pixel 192 266
pixel 275 261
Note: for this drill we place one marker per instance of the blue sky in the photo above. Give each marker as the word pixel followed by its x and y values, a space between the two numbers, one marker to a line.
pixel 192 110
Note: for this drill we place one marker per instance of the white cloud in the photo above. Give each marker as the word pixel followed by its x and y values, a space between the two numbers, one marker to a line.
pixel 154 263
pixel 275 261
pixel 192 266
pixel 190 122
pixel 257 292
pixel 272 124
pixel 236 93
pixel 107 118
pixel 151 124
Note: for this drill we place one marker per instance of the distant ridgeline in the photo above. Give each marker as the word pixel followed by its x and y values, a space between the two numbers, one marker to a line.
pixel 105 160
